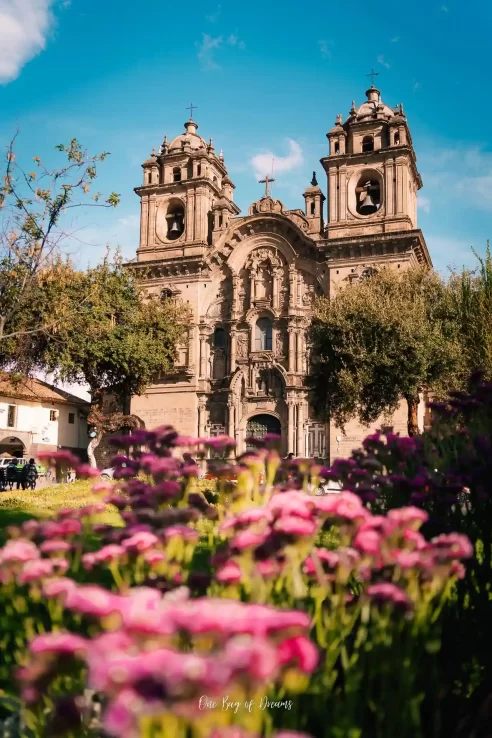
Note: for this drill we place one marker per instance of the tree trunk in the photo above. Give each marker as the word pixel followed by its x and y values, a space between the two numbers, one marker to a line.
pixel 413 426
pixel 93 444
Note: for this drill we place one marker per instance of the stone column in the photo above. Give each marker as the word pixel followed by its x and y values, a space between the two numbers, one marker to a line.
pixel 144 222
pixel 230 412
pixel 151 230
pixel 202 420
pixel 203 356
pixel 299 351
pixel 233 350
pixel 300 426
pixel 292 285
pixel 235 294
pixel 276 288
pixel 291 332
pixel 290 426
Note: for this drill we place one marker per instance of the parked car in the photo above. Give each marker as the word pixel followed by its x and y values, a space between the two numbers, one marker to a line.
pixel 107 473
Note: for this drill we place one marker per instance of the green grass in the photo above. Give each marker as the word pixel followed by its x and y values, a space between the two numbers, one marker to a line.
pixel 20 505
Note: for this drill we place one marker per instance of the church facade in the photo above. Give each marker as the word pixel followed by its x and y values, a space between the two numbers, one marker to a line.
pixel 250 281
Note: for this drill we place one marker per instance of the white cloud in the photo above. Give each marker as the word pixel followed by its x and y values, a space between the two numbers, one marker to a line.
pixel 424 203
pixel 324 48
pixel 213 17
pixel 395 39
pixel 207 49
pixel 24 28
pixel 382 60
pixel 444 9
pixel 233 40
pixel 416 86
pixel 262 163
pixel 448 252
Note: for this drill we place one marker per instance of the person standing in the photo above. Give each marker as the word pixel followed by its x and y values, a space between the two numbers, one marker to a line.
pixel 31 474
pixel 11 473
pixel 3 484
pixel 21 475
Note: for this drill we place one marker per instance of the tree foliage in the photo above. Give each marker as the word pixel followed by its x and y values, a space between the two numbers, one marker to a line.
pixel 32 206
pixel 471 295
pixel 387 337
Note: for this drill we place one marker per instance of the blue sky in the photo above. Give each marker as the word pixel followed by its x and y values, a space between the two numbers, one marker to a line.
pixel 268 80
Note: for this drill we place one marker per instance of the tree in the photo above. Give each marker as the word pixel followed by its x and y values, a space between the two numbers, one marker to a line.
pixel 118 341
pixel 382 339
pixel 32 206
pixel 471 295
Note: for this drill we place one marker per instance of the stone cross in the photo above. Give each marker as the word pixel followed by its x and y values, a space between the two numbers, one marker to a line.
pixel 191 109
pixel 372 75
pixel 266 182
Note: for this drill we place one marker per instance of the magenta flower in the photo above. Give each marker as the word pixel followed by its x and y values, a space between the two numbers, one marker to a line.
pixel 61 528
pixel 220 443
pixel 230 572
pixel 453 545
pixel 109 553
pixel 416 539
pixel 295 526
pixel 267 568
pixel 58 587
pixel 102 487
pixel 92 600
pixel 408 516
pixel 249 539
pixel 406 559
pixel 368 541
pixel 182 531
pixel 18 551
pixel 61 643
pixel 154 557
pixel 119 720
pixel 299 650
pixel 256 656
pixel 140 542
pixel 86 471
pixel 54 546
pixel 36 569
pixel 388 593
pixel 54 457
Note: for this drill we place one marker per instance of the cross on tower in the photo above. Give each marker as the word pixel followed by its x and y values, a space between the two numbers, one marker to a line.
pixel 266 182
pixel 191 109
pixel 372 75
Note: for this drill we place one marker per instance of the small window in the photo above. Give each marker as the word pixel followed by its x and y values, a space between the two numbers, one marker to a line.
pixel 219 338
pixel 166 294
pixel 199 170
pixel 313 208
pixel 221 221
pixel 177 174
pixel 149 178
pixel 71 418
pixel 397 139
pixel 337 147
pixel 53 415
pixel 263 335
pixel 367 144
pixel 11 416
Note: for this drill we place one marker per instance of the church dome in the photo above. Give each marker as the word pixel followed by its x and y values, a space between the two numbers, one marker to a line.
pixel 189 138
pixel 373 107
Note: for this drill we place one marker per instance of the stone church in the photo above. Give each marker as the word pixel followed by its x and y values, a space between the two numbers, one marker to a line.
pixel 251 280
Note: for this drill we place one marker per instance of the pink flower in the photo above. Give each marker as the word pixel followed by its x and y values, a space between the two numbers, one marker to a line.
pixel 453 545
pixel 86 471
pixel 154 557
pixel 254 655
pixel 118 719
pixel 90 510
pixel 109 553
pixel 54 546
pixel 140 541
pixel 295 526
pixel 406 559
pixel 457 570
pixel 299 650
pixel 88 560
pixel 368 541
pixel 408 516
pixel 416 539
pixel 58 587
pixel 63 643
pixel 291 499
pixel 102 487
pixel 92 600
pixel 36 569
pixel 220 442
pixel 249 539
pixel 60 529
pixel 182 531
pixel 230 572
pixel 387 592
pixel 267 568
pixel 18 551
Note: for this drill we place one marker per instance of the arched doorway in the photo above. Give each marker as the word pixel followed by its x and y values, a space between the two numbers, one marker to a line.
pixel 12 446
pixel 259 425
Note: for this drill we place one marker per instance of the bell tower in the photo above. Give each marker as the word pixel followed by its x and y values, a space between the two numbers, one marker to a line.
pixel 372 171
pixel 184 186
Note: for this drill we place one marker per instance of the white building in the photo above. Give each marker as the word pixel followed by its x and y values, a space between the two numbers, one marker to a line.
pixel 36 416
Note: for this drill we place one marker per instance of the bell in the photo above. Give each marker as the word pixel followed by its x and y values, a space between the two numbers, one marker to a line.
pixel 367 204
pixel 175 226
